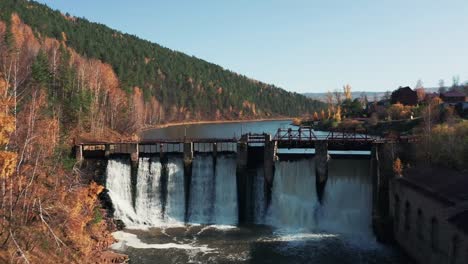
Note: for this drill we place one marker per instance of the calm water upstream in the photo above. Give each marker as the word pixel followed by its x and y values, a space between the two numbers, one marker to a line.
pixel 164 226
pixel 220 130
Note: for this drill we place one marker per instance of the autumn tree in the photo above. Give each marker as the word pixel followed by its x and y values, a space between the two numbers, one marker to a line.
pixel 322 115
pixel 399 111
pixel 316 117
pixel 347 92
pixel 398 167
pixel 431 114
pixel 337 116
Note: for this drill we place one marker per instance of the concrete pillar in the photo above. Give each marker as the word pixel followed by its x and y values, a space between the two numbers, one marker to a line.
pixel 79 153
pixel 269 158
pixel 107 150
pixel 161 150
pixel 242 178
pixel 381 169
pixel 163 181
pixel 321 167
pixel 188 151
pixel 242 152
pixel 134 153
pixel 188 159
pixel 215 149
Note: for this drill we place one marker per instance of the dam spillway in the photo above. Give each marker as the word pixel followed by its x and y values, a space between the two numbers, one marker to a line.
pixel 156 196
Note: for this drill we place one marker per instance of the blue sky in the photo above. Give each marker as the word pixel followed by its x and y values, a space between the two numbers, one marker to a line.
pixel 303 45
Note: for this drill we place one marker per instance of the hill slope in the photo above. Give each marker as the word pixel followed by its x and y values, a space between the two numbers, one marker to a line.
pixel 183 87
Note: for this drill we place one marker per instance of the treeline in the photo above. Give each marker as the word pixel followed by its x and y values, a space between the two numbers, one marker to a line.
pixel 182 87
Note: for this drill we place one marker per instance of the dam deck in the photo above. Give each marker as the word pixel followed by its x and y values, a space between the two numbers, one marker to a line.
pixel 301 138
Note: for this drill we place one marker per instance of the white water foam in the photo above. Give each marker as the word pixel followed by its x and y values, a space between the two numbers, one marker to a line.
pixel 119 185
pixel 147 201
pixel 126 239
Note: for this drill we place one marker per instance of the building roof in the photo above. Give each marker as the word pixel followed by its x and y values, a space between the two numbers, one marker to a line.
pixel 445 184
pixel 453 93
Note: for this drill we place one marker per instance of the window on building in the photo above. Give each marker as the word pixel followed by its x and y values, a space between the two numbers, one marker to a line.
pixel 420 224
pixel 455 249
pixel 407 216
pixel 396 213
pixel 434 234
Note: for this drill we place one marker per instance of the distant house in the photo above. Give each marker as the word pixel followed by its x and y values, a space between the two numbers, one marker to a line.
pixel 405 96
pixel 453 96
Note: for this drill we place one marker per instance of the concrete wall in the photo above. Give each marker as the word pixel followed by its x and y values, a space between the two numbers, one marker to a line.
pixel 421 228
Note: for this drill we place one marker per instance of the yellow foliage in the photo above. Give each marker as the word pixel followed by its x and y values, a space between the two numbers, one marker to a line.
pixel 7 126
pixel 337 116
pixel 297 121
pixel 7 163
pixel 399 111
pixel 397 167
pixel 347 91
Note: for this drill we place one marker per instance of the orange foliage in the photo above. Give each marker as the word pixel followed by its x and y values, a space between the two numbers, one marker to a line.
pixel 23 34
pixel 316 117
pixel 7 126
pixel 2 30
pixel 397 167
pixel 48 215
pixel 138 108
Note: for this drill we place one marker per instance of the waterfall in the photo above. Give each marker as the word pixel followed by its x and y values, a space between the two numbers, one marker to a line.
pixel 213 194
pixel 294 200
pixel 148 204
pixel 118 175
pixel 160 195
pixel 175 208
pixel 201 190
pixel 347 203
pixel 259 199
pixel 347 207
pixel 225 204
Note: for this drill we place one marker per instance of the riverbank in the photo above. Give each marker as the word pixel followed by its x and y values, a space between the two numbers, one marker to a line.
pixel 203 122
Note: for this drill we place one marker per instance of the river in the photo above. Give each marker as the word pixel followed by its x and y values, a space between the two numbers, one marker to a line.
pixel 162 227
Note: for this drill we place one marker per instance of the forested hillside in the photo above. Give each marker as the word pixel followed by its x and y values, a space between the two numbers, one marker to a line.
pixel 165 85
pixel 62 78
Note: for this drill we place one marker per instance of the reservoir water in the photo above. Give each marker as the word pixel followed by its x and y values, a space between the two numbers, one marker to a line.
pixel 165 226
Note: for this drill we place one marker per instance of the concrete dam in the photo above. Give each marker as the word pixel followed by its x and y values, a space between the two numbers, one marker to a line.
pixel 248 181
